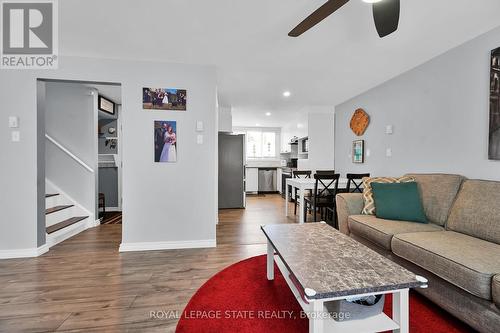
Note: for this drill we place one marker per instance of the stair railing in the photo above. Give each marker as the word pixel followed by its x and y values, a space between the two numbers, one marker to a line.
pixel 70 154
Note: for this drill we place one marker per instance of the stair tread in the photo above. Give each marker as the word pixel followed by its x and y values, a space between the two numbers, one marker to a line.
pixel 48 195
pixel 56 209
pixel 64 224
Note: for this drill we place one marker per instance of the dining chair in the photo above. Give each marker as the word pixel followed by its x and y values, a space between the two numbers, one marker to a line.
pixel 354 182
pixel 325 189
pixel 325 172
pixel 299 174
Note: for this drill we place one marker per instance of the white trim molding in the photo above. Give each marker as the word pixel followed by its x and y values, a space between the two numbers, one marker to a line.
pixel 24 253
pixel 174 245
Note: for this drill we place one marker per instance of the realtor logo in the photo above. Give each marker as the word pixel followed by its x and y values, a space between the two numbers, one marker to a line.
pixel 29 34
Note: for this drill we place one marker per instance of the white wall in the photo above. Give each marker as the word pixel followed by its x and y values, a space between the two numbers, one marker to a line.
pixel 440 115
pixel 321 130
pixel 158 198
pixel 225 119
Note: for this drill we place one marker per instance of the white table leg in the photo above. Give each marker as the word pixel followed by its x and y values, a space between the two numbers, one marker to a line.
pixel 301 206
pixel 316 317
pixel 270 261
pixel 286 199
pixel 400 310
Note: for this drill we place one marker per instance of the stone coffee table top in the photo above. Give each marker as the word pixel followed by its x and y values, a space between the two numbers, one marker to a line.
pixel 333 264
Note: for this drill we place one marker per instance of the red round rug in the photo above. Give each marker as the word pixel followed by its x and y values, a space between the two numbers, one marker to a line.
pixel 241 299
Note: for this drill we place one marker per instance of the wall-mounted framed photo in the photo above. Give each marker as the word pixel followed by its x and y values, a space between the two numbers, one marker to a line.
pixel 165 140
pixel 494 133
pixel 164 99
pixel 105 105
pixel 358 151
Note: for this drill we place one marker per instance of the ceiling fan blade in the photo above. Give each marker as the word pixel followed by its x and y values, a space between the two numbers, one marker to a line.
pixel 386 16
pixel 319 15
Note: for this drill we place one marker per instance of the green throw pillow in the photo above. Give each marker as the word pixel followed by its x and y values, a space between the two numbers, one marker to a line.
pixel 398 201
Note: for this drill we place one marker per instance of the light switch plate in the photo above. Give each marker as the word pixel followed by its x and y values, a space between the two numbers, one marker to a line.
pixel 388 152
pixel 16 136
pixel 13 122
pixel 389 129
pixel 199 139
pixel 199 126
pixel 368 153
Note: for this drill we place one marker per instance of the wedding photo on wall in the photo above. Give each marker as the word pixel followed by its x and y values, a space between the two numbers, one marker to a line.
pixel 164 99
pixel 165 137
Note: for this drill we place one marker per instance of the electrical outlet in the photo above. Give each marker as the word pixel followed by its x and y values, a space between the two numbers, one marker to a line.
pixel 199 139
pixel 388 152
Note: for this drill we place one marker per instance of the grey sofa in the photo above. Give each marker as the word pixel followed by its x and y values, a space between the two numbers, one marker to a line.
pixel 458 251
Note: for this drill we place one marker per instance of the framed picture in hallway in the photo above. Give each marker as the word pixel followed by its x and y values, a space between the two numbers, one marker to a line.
pixel 165 141
pixel 358 151
pixel 494 135
pixel 164 99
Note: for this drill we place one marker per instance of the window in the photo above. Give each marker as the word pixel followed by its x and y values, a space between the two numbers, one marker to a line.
pixel 261 143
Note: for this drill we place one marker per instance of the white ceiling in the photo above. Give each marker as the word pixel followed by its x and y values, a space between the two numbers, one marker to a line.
pixel 256 60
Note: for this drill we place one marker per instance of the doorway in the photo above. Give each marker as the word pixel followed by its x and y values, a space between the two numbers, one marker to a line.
pixel 77 123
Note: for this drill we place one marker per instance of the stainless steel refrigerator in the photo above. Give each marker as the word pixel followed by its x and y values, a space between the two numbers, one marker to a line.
pixel 231 171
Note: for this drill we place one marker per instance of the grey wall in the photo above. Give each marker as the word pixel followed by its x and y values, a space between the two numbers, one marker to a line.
pixel 440 115
pixel 161 202
pixel 70 119
pixel 108 184
pixel 40 157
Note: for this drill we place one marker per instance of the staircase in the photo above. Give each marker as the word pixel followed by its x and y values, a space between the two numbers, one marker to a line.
pixel 63 217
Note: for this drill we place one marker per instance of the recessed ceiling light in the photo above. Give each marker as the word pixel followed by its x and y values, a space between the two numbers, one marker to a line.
pixel 371 1
pixel 268 114
pixel 287 93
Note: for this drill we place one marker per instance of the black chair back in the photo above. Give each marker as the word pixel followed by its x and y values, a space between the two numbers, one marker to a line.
pixel 302 174
pixel 355 180
pixel 325 172
pixel 326 186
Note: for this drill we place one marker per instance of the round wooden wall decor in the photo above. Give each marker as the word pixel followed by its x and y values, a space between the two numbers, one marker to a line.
pixel 359 122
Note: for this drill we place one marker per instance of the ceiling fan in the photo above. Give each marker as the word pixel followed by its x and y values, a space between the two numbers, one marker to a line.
pixel 385 14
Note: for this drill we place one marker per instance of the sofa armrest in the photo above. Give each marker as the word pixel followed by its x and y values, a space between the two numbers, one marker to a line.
pixel 496 290
pixel 348 204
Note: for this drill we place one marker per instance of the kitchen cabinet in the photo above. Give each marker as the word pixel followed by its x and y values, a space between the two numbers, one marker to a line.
pixel 252 180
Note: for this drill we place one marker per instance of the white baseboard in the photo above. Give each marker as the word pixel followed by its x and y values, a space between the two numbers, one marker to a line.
pixel 92 224
pixel 50 240
pixel 24 253
pixel 156 246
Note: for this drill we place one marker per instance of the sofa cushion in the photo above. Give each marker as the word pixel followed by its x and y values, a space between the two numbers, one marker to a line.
pixel 495 288
pixel 438 192
pixel 380 231
pixel 467 262
pixel 476 211
pixel 398 201
pixel 369 202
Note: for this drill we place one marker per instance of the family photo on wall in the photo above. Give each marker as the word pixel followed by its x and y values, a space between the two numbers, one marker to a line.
pixel 164 99
pixel 165 141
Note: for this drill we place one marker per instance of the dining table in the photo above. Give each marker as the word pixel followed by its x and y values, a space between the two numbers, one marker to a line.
pixel 302 185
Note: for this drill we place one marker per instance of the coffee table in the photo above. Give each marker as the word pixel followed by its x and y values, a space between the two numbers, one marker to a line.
pixel 321 265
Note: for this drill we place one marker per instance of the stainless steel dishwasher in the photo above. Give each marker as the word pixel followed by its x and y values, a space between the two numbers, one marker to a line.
pixel 267 180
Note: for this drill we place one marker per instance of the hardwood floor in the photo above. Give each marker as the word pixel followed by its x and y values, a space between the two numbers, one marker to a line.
pixel 85 285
